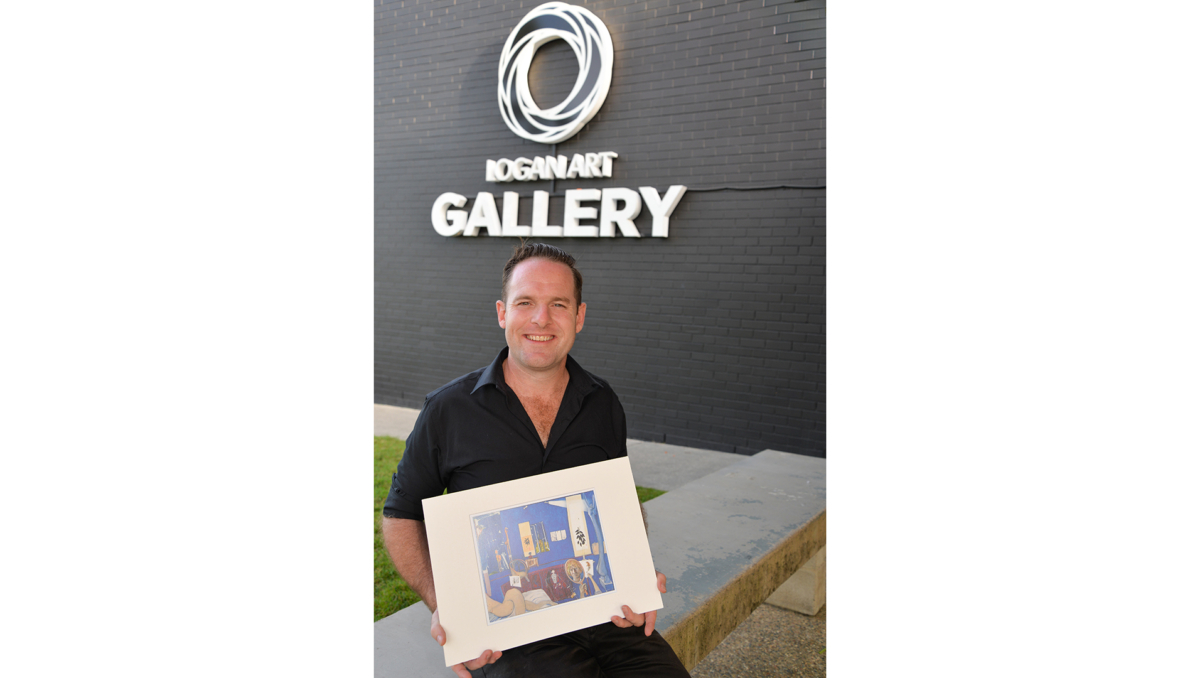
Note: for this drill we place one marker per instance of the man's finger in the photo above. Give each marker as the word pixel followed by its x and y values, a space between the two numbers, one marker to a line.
pixel 464 670
pixel 650 617
pixel 633 617
pixel 436 630
pixel 483 659
pixel 620 622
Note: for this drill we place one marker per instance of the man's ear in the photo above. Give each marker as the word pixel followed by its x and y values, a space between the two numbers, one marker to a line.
pixel 500 313
pixel 579 317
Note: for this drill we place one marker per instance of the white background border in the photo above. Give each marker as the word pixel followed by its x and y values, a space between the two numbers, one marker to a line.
pixel 192 497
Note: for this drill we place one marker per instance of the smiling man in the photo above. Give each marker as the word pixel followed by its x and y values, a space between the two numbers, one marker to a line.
pixel 532 410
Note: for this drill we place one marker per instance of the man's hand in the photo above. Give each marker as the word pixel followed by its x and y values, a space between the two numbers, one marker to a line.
pixel 634 619
pixel 462 670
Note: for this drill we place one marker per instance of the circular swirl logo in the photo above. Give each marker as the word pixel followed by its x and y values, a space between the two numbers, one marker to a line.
pixel 592 44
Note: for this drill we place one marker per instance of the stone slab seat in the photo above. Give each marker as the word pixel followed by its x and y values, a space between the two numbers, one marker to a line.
pixel 725 541
pixel 728 540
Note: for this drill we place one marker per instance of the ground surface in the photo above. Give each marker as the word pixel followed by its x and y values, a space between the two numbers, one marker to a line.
pixel 771 643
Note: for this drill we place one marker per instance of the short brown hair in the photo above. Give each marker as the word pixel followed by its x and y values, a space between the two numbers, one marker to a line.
pixel 540 250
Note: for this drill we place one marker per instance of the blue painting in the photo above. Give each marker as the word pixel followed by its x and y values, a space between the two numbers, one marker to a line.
pixel 540 555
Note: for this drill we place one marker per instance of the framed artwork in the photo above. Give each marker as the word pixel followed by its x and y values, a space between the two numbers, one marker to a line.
pixel 535 557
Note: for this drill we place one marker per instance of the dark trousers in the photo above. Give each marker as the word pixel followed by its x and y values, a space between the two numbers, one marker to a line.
pixel 602 651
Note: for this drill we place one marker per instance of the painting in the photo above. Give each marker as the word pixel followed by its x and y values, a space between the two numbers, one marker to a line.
pixel 542 554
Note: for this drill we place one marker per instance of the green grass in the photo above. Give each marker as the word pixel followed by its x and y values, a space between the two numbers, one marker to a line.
pixel 645 494
pixel 391 592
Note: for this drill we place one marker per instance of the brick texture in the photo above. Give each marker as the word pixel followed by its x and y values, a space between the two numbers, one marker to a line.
pixel 713 337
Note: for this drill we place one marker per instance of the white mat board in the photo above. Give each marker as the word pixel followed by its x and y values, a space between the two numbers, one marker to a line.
pixel 452 522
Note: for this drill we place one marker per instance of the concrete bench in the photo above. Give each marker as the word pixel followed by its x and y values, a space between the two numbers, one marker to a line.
pixel 726 542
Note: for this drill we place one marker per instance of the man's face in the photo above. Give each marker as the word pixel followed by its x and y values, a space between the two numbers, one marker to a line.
pixel 539 317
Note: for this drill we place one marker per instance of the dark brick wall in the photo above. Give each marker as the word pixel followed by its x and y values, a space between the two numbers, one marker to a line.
pixel 713 337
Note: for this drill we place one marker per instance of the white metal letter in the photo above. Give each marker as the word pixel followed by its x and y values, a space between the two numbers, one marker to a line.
pixel 483 213
pixel 593 164
pixel 504 169
pixel 521 168
pixel 572 213
pixel 441 208
pixel 510 216
pixel 608 158
pixel 661 208
pixel 578 168
pixel 541 213
pixel 558 166
pixel 610 216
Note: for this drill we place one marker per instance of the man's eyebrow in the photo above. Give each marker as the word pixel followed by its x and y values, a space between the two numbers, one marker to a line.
pixel 521 297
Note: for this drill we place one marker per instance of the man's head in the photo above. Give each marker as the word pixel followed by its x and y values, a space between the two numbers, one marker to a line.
pixel 538 250
pixel 541 311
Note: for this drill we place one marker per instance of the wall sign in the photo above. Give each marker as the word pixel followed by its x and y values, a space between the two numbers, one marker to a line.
pixel 592 44
pixel 581 165
pixel 618 207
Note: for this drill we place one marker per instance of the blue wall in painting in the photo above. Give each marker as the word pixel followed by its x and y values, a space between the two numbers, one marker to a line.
pixel 553 518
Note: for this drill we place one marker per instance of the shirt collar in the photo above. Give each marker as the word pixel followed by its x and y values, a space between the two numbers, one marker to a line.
pixel 494 374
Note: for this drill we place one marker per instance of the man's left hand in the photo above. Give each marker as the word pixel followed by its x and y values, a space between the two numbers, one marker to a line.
pixel 634 619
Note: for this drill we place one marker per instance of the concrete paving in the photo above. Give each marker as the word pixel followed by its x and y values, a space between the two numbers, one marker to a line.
pixel 402 640
pixel 396 422
pixel 771 643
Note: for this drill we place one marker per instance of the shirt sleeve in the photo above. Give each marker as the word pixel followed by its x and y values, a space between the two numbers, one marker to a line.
pixel 618 416
pixel 418 475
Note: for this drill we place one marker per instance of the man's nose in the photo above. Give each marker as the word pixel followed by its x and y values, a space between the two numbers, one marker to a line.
pixel 541 314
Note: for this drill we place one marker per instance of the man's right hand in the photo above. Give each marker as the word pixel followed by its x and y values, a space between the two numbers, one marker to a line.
pixel 462 670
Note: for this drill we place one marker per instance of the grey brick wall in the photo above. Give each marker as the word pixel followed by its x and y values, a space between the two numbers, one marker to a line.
pixel 713 337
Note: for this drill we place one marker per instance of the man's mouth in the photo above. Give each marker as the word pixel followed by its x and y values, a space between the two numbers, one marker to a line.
pixel 539 337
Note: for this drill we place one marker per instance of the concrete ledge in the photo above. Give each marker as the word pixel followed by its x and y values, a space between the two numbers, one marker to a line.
pixel 728 540
pixel 803 592
pixel 667 467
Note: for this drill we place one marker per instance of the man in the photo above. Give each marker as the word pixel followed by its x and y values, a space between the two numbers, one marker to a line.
pixel 532 410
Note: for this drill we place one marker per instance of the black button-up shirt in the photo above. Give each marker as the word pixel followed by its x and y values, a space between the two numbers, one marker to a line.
pixel 474 432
